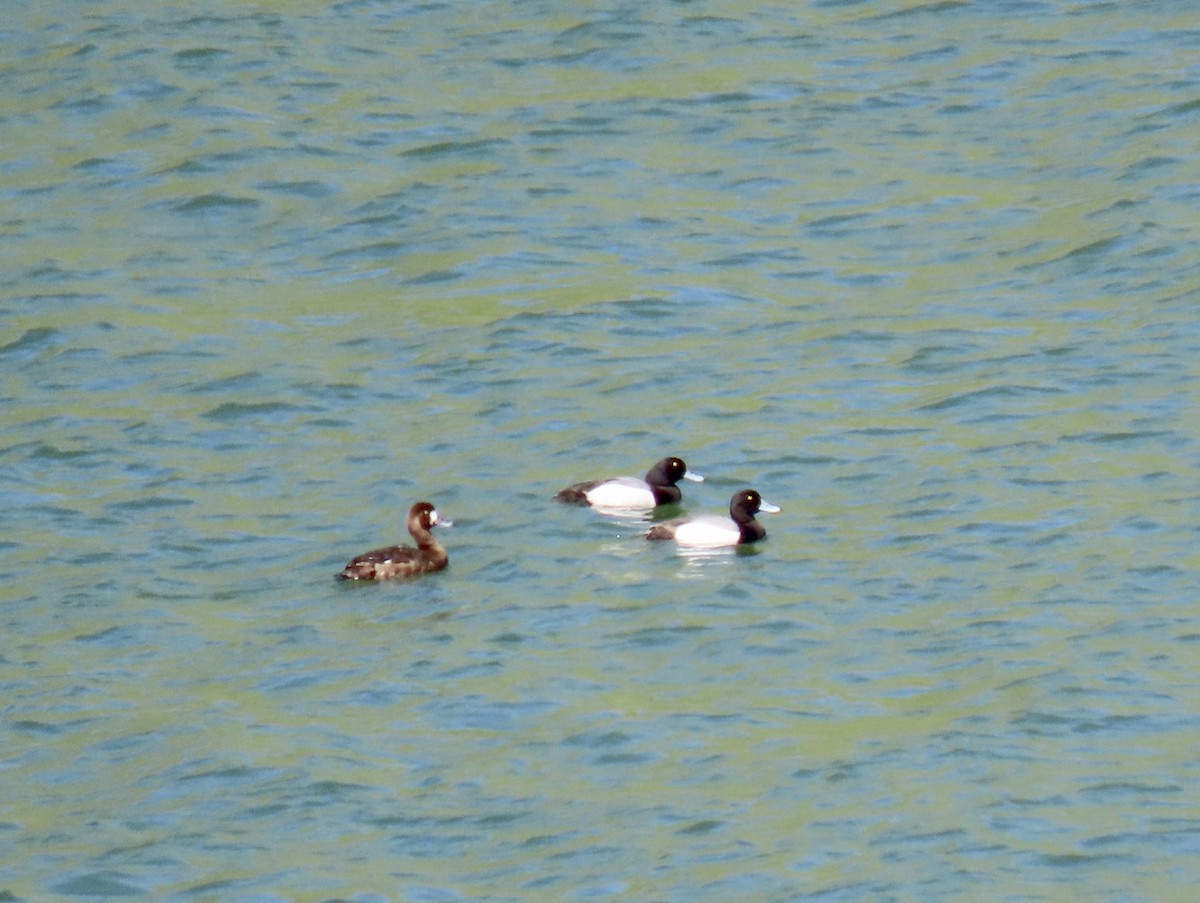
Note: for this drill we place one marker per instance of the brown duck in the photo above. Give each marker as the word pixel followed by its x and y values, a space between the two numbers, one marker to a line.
pixel 403 561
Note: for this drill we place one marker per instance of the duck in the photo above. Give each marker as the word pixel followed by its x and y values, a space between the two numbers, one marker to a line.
pixel 708 531
pixel 658 488
pixel 403 561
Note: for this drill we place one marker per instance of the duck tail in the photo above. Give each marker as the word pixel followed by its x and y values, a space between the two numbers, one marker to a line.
pixel 574 495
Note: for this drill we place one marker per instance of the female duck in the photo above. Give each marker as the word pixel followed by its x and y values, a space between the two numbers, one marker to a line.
pixel 711 532
pixel 629 492
pixel 403 561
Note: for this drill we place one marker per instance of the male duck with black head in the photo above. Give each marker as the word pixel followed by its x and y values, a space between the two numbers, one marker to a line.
pixel 711 532
pixel 403 561
pixel 629 493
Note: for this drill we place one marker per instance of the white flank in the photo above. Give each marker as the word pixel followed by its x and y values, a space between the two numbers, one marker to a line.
pixel 708 532
pixel 623 492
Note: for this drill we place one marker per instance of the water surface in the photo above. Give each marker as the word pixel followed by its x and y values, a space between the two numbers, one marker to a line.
pixel 922 274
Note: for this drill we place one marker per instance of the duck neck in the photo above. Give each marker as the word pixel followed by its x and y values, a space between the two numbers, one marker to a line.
pixel 666 495
pixel 751 530
pixel 421 535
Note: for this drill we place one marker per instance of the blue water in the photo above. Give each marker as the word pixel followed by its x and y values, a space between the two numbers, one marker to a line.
pixel 922 274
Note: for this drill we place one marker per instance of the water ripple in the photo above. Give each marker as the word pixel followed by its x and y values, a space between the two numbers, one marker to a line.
pixel 920 274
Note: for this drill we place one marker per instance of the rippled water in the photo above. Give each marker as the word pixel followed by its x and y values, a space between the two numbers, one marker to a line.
pixel 923 274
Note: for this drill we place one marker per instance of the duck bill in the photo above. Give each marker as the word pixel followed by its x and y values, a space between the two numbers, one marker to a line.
pixel 694 477
pixel 439 521
pixel 768 508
